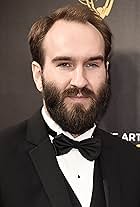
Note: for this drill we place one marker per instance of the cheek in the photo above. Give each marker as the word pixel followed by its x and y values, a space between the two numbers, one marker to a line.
pixel 59 78
pixel 60 82
pixel 96 81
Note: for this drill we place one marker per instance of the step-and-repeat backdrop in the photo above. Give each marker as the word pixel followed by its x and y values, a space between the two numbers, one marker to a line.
pixel 18 96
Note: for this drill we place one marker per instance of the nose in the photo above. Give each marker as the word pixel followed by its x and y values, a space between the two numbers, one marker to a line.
pixel 79 78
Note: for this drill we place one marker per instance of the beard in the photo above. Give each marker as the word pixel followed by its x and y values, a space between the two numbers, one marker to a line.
pixel 75 119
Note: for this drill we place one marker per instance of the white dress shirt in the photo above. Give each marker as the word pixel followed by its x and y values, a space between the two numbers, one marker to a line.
pixel 77 170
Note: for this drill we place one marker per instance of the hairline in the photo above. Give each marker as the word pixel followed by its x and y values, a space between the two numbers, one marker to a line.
pixel 74 20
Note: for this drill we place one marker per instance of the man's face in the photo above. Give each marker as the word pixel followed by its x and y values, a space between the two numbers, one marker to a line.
pixel 74 77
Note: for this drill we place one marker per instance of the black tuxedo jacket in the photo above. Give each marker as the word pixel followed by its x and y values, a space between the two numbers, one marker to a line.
pixel 31 177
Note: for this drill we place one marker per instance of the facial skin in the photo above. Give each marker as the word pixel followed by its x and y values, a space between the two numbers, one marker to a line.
pixel 74 62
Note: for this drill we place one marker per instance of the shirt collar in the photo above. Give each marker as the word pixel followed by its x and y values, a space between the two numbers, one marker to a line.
pixel 55 127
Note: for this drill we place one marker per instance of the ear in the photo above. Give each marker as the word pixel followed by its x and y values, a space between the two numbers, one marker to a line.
pixel 107 69
pixel 37 73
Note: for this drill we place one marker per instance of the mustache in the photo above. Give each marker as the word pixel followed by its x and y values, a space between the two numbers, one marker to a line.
pixel 85 92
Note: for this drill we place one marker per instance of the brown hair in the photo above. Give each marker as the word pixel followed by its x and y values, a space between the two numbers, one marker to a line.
pixel 74 12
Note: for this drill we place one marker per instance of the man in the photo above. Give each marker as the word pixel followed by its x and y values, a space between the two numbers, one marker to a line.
pixel 59 157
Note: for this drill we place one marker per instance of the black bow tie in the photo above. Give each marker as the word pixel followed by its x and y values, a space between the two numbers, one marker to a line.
pixel 89 148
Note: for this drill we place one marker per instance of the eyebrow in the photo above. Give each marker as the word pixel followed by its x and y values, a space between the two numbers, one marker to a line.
pixel 99 57
pixel 66 58
pixel 61 58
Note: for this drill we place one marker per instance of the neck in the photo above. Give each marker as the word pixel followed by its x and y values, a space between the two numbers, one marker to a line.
pixel 75 135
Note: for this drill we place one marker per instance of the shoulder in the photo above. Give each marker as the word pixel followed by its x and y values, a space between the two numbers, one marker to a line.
pixel 11 136
pixel 113 141
pixel 19 130
pixel 120 159
pixel 17 136
pixel 115 147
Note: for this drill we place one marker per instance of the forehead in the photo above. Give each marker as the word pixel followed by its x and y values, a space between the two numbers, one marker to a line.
pixel 73 38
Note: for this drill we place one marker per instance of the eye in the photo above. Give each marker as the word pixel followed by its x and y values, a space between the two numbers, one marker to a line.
pixel 64 65
pixel 92 65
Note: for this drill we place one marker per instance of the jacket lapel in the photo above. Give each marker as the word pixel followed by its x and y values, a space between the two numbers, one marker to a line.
pixel 44 160
pixel 98 196
pixel 107 176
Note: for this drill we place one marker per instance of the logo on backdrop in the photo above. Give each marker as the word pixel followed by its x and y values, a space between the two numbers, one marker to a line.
pixel 103 11
pixel 133 137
